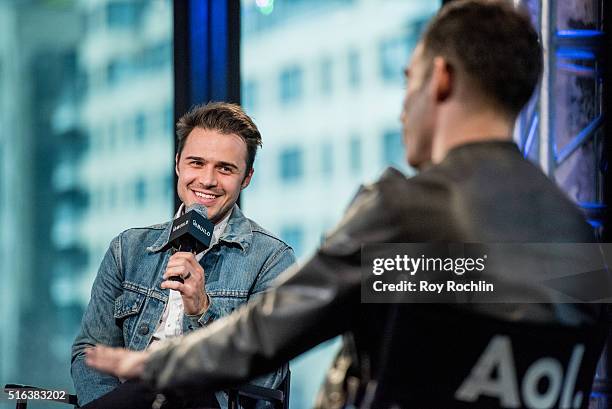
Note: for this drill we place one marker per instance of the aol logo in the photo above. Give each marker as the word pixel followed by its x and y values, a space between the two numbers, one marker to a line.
pixel 498 358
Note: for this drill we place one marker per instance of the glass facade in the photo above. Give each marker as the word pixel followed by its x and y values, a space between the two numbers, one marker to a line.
pixel 323 80
pixel 86 150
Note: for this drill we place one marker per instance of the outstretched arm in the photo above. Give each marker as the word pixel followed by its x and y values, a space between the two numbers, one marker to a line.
pixel 308 305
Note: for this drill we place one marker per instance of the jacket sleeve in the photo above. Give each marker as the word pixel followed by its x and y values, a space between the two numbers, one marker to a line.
pixel 276 264
pixel 98 327
pixel 308 305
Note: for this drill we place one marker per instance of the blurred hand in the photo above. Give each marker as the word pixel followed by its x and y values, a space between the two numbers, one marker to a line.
pixel 119 362
pixel 185 265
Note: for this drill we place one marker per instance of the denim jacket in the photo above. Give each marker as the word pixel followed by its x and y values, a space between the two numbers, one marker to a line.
pixel 127 302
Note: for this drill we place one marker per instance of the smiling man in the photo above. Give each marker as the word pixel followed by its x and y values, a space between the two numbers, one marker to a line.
pixel 133 302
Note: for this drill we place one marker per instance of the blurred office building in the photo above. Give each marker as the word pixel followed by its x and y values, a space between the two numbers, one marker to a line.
pixel 86 145
pixel 323 80
pixel 37 76
pixel 127 113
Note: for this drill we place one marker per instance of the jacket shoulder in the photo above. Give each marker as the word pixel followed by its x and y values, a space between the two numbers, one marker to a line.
pixel 145 235
pixel 146 229
pixel 263 234
pixel 390 189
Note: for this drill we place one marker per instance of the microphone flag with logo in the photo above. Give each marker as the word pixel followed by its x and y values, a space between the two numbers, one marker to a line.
pixel 191 232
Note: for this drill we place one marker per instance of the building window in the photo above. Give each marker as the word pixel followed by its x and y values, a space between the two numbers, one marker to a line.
pixel 140 191
pixel 112 73
pixel 293 235
pixel 98 199
pixel 156 56
pixel 1 180
pixel 112 136
pixel 170 185
pixel 96 140
pixel 354 69
pixel 123 14
pixel 118 70
pixel 291 84
pixel 140 126
pixel 355 154
pixel 326 75
pixel 249 95
pixel 169 119
pixel 393 151
pixel 394 54
pixel 291 164
pixel 327 159
pixel 94 18
pixel 111 200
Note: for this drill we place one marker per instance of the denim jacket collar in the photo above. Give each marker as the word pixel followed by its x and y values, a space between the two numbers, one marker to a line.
pixel 238 231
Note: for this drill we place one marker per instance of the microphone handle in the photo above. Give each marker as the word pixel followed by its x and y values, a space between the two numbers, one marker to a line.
pixel 184 245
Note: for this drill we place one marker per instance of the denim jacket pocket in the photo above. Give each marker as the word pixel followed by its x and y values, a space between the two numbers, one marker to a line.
pixel 127 307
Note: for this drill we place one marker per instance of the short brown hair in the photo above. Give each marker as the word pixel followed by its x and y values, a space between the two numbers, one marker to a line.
pixel 494 44
pixel 222 117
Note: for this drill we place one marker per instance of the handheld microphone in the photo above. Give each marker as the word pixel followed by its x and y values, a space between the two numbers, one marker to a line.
pixel 190 232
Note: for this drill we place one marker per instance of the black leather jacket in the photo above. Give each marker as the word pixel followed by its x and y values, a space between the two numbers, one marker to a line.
pixel 420 355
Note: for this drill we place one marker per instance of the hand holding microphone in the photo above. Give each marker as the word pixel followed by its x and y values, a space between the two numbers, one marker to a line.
pixel 184 265
pixel 190 234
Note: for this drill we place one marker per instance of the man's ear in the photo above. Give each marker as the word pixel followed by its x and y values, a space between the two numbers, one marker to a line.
pixel 247 179
pixel 176 159
pixel 442 79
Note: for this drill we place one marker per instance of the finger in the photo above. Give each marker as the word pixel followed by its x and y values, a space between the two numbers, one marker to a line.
pixel 94 351
pixel 182 269
pixel 188 290
pixel 92 360
pixel 173 285
pixel 185 257
pixel 178 262
pixel 197 273
pixel 90 355
pixel 193 261
pixel 195 269
pixel 186 260
pixel 101 357
pixel 175 271
pixel 181 255
pixel 177 268
pixel 99 350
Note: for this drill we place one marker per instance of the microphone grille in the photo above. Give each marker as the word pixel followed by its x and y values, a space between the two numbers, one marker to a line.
pixel 201 209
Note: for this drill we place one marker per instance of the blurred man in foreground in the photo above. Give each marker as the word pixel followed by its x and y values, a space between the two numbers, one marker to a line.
pixel 475 67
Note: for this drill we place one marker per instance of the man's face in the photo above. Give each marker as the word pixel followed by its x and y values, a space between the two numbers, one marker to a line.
pixel 417 118
pixel 211 171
